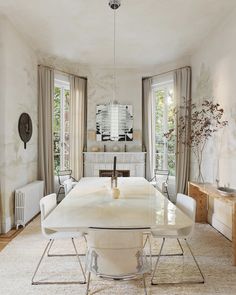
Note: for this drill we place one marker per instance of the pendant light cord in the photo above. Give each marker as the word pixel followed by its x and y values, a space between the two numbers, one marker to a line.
pixel 114 59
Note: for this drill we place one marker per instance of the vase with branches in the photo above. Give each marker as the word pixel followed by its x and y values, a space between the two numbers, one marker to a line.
pixel 205 119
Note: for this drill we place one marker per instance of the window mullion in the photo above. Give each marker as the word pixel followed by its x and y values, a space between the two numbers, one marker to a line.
pixel 62 133
pixel 165 129
pixel 154 94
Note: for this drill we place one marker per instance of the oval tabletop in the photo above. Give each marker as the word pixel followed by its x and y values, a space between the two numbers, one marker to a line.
pixel 140 205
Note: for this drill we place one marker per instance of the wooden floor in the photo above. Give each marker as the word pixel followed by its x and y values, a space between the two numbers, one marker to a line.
pixel 6 238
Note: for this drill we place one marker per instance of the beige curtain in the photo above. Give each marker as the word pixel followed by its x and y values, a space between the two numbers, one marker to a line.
pixel 182 94
pixel 45 140
pixel 149 127
pixel 78 95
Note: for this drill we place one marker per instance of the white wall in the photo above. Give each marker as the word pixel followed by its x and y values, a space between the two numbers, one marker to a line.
pixel 18 76
pixel 214 75
pixel 100 90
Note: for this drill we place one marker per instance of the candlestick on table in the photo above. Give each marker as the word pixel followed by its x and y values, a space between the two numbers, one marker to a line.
pixel 114 167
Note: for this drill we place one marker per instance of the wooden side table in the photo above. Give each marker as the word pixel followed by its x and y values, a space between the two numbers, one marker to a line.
pixel 202 202
pixel 217 210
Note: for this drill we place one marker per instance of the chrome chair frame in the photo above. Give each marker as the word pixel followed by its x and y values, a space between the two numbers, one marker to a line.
pixel 126 278
pixel 188 206
pixel 151 255
pixel 114 277
pixel 63 255
pixel 47 205
pixel 46 250
pixel 202 281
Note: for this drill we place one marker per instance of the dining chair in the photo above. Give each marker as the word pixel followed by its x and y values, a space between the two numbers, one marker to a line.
pixel 47 205
pixel 188 206
pixel 116 254
pixel 64 175
pixel 68 185
pixel 160 181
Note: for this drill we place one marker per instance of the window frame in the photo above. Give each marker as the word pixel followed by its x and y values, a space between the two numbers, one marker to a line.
pixel 166 84
pixel 63 83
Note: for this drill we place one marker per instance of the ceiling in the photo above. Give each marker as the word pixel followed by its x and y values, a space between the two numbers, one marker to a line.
pixel 149 32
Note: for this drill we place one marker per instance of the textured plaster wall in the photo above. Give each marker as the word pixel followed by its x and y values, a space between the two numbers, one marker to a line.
pixel 214 75
pixel 18 76
pixel 128 91
pixel 100 91
pixel 18 93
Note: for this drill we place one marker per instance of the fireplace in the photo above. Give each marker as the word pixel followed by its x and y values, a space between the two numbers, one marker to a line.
pixel 108 173
pixel 134 162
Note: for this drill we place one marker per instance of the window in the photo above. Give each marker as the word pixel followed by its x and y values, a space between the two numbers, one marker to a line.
pixel 61 123
pixel 164 104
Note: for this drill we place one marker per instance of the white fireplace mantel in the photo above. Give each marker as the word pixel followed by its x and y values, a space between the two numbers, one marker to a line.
pixel 132 161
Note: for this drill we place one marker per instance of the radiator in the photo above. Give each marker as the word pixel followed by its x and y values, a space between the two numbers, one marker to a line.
pixel 27 202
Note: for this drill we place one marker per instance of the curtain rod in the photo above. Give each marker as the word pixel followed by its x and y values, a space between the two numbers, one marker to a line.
pixel 167 72
pixel 52 68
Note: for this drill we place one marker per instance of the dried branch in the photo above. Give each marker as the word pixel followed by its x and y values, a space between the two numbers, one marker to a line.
pixel 205 119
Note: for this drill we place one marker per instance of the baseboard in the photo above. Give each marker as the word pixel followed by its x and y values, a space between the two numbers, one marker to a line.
pixel 6 225
pixel 222 228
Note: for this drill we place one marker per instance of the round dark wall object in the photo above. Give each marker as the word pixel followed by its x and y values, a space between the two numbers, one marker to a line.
pixel 25 128
pixel 114 4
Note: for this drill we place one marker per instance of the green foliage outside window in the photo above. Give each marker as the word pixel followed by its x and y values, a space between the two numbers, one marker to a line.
pixel 56 127
pixel 164 103
pixel 57 122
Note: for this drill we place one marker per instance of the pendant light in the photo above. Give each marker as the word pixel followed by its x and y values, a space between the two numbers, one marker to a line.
pixel 114 4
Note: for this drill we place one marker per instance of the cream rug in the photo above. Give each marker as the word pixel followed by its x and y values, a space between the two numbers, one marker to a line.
pixel 19 259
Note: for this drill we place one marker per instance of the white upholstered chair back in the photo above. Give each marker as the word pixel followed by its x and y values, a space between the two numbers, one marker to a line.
pixel 188 206
pixel 115 253
pixel 47 205
pixel 68 185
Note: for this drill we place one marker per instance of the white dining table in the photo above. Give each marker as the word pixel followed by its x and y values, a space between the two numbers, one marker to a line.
pixel 140 206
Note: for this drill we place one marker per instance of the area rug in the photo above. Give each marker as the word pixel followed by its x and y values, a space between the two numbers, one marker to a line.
pixel 213 251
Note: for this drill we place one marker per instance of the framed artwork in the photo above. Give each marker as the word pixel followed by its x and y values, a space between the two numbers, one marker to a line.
pixel 114 122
